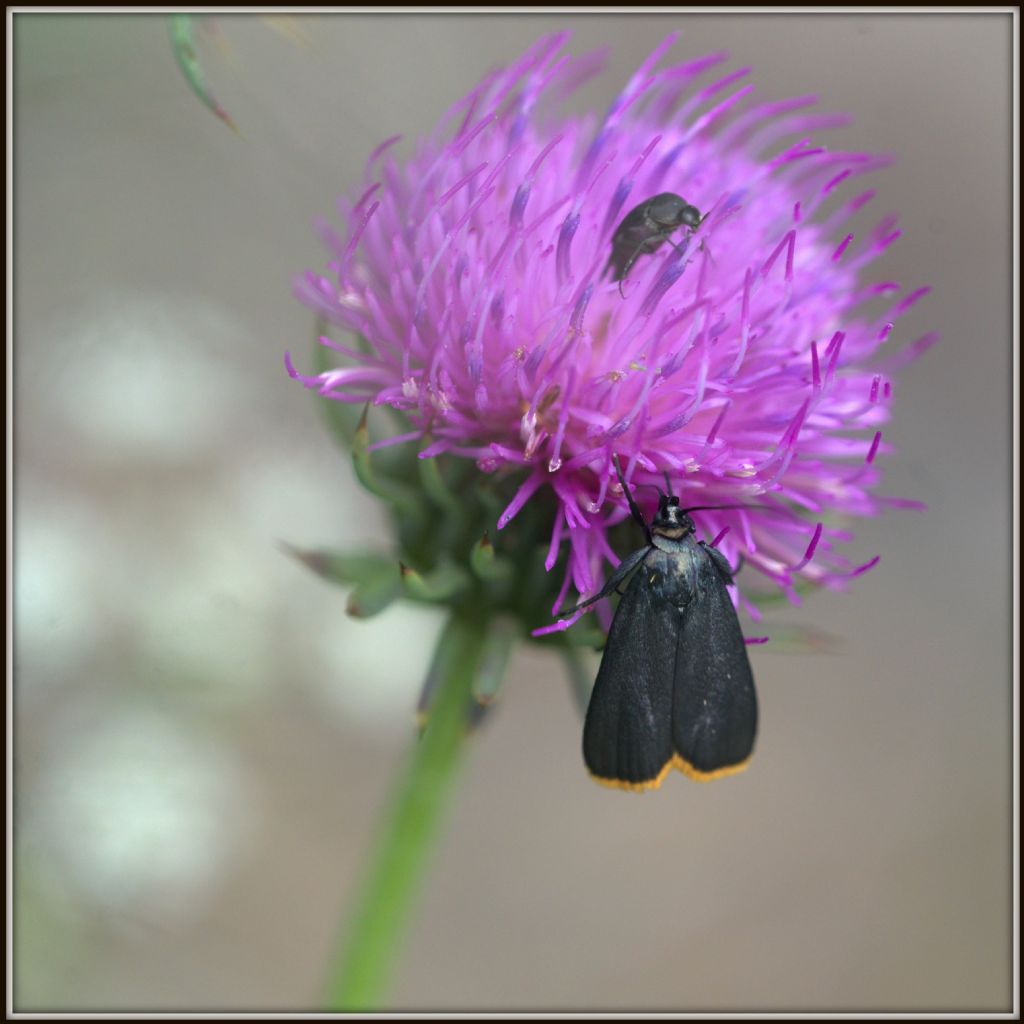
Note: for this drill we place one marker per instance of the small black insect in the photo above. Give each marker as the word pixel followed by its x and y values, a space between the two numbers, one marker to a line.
pixel 675 687
pixel 646 227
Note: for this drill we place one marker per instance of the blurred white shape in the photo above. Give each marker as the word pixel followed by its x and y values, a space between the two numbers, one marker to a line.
pixel 286 495
pixel 370 670
pixel 208 622
pixel 55 610
pixel 143 375
pixel 142 813
pixel 201 634
pixel 374 668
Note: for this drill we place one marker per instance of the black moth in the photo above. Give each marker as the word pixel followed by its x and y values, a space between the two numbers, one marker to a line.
pixel 646 227
pixel 675 688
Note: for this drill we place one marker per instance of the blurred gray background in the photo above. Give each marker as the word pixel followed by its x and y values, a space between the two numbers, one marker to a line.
pixel 204 741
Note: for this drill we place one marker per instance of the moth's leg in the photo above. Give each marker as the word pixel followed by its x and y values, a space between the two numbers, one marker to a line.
pixel 626 566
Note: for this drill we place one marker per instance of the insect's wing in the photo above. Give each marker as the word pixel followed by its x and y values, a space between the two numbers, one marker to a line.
pixel 714 713
pixel 627 241
pixel 627 736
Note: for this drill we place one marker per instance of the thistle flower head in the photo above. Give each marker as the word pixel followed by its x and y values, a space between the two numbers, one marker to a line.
pixel 741 353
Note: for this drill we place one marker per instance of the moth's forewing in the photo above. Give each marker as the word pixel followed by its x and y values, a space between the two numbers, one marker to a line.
pixel 714 714
pixel 627 737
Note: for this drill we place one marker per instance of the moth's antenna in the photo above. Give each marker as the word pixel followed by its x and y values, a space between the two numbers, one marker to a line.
pixel 668 487
pixel 634 510
pixel 762 508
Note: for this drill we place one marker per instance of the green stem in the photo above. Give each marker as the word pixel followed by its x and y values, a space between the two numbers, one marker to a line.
pixel 362 969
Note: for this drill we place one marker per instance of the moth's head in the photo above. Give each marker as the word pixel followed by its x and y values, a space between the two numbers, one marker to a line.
pixel 670 520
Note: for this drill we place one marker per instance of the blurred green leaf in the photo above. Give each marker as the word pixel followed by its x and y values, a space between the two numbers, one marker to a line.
pixel 486 565
pixel 435 486
pixel 182 27
pixel 339 566
pixel 494 660
pixel 440 585
pixel 375 593
pixel 397 494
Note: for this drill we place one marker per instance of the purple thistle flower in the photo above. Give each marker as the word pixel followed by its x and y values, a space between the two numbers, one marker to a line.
pixel 744 359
